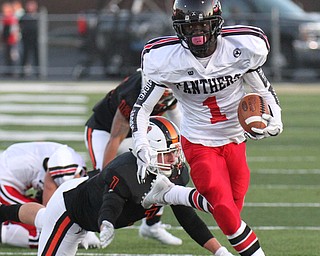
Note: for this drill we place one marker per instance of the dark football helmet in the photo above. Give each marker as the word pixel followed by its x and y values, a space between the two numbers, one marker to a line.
pixel 198 23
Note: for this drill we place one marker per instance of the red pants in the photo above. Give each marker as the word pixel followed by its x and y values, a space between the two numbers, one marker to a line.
pixel 222 176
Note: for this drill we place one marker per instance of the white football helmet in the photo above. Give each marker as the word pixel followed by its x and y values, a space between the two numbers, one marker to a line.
pixel 64 164
pixel 164 138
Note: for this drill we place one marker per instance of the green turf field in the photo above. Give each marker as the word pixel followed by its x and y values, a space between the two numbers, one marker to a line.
pixel 283 202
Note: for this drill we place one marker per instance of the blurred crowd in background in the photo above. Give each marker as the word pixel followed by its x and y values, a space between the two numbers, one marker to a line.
pixel 103 39
pixel 20 37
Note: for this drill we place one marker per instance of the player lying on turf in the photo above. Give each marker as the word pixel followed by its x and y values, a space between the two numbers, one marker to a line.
pixel 42 166
pixel 112 200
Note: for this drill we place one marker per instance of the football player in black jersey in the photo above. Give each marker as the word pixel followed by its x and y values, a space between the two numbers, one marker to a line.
pixel 108 134
pixel 112 200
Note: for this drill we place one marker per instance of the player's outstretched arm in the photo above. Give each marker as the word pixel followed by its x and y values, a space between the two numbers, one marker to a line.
pixel 198 230
pixel 139 120
pixel 24 213
pixel 119 131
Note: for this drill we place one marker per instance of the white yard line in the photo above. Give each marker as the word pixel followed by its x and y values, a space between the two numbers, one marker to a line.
pixel 42 120
pixel 40 135
pixel 288 171
pixel 284 205
pixel 281 158
pixel 43 98
pixel 43 108
pixel 270 228
pixel 57 87
pixel 285 186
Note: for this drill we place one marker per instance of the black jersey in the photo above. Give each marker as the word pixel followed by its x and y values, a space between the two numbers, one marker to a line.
pixel 115 195
pixel 123 97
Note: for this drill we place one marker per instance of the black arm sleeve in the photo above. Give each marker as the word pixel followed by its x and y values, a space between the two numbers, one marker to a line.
pixel 192 224
pixel 111 208
pixel 9 212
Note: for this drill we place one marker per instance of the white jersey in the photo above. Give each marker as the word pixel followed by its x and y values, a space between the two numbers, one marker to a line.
pixel 209 95
pixel 22 164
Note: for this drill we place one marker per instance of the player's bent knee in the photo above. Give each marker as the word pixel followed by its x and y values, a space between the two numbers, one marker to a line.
pixel 227 217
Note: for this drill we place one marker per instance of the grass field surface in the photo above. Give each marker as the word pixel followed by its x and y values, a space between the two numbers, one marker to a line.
pixel 283 202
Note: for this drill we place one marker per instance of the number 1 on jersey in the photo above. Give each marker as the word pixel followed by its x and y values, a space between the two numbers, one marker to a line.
pixel 211 103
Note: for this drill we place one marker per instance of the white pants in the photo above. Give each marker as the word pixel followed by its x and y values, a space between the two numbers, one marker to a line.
pixel 98 143
pixel 56 222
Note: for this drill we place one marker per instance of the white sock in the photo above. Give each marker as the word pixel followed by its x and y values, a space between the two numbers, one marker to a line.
pixel 39 219
pixel 259 252
pixel 178 195
pixel 222 251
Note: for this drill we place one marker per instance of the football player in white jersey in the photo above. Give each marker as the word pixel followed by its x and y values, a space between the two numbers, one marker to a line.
pixel 42 166
pixel 207 66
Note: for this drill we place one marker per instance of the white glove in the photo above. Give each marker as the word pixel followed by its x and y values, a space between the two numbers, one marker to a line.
pixel 222 251
pixel 144 158
pixel 106 233
pixel 274 127
pixel 90 241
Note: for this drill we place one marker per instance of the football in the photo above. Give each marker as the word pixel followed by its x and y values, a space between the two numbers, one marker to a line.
pixel 250 110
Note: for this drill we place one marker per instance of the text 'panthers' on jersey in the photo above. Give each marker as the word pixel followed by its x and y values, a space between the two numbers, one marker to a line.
pixel 209 89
